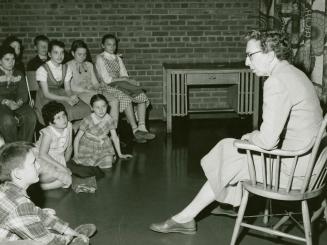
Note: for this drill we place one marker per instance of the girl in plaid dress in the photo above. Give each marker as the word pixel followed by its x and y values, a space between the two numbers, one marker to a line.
pixel 54 147
pixel 92 145
pixel 112 71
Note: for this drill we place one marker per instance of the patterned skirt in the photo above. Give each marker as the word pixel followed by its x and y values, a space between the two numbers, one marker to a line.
pixel 124 99
pixel 93 152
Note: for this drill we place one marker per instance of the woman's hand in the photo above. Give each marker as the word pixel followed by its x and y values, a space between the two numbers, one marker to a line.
pixel 75 98
pixel 125 156
pixel 64 177
pixel 66 180
pixel 11 104
pixel 31 103
pixel 134 82
pixel 19 102
pixel 95 86
pixel 72 100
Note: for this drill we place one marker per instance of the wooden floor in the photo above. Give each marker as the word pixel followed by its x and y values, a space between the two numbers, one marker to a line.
pixel 159 181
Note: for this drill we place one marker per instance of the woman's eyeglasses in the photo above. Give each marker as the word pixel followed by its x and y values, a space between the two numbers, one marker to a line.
pixel 249 55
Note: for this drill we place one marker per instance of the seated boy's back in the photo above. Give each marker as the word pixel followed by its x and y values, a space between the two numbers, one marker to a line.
pixel 20 219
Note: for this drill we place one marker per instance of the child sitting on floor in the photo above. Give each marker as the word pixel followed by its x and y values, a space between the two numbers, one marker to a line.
pixel 54 147
pixel 92 145
pixel 20 218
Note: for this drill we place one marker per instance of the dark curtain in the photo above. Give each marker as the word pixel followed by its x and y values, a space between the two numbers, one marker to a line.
pixel 306 23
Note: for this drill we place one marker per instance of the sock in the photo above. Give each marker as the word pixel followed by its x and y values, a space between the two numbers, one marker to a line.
pixel 142 127
pixel 181 220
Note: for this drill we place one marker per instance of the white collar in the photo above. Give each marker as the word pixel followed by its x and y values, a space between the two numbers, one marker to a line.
pixel 56 132
pixel 50 63
pixel 6 71
pixel 108 55
pixel 97 120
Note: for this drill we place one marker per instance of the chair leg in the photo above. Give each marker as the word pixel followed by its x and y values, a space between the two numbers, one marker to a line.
pixel 240 216
pixel 267 212
pixel 324 203
pixel 306 222
pixel 281 222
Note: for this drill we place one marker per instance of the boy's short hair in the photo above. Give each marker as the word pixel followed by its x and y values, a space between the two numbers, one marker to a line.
pixel 13 155
pixel 53 43
pixel 51 109
pixel 39 38
pixel 7 50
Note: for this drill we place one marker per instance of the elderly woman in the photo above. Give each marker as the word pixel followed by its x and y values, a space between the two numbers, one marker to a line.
pixel 291 119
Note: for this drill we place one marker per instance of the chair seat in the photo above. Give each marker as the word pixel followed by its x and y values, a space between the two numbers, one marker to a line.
pixel 281 194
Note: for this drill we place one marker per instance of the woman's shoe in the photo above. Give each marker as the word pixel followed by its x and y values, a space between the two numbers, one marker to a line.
pixel 171 226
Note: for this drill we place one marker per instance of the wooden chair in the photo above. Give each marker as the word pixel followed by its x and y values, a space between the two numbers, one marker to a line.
pixel 269 185
pixel 32 87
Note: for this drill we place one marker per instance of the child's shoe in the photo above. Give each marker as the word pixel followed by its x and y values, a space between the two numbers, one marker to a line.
pixel 78 241
pixel 144 134
pixel 86 229
pixel 139 138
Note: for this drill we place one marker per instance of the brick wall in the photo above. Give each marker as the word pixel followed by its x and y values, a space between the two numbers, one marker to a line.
pixel 208 98
pixel 151 31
